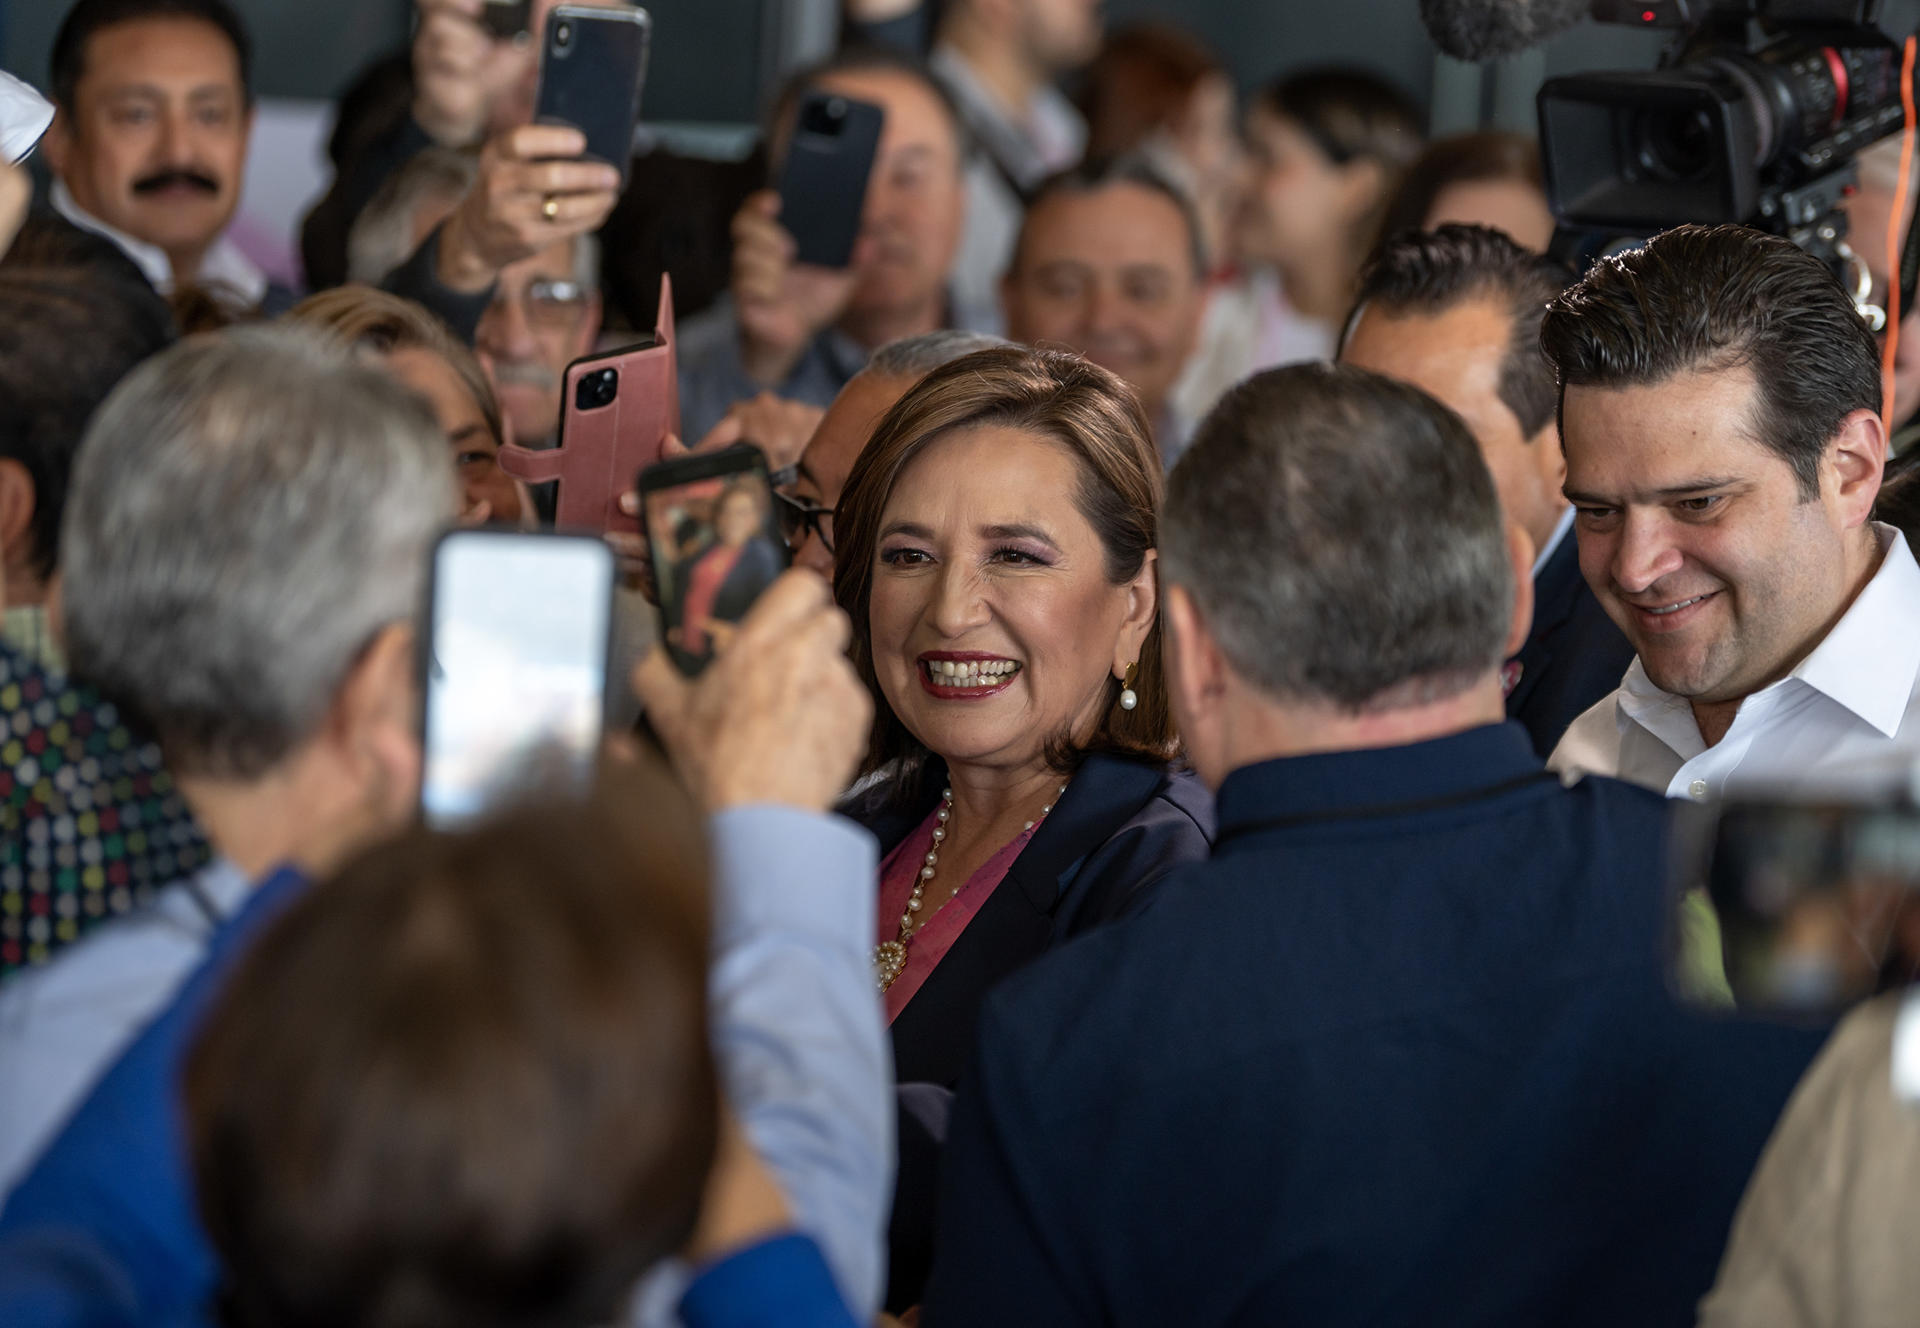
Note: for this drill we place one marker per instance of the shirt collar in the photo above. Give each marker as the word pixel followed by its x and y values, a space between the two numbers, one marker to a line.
pixel 1869 661
pixel 1866 663
pixel 1336 783
pixel 1552 546
pixel 224 264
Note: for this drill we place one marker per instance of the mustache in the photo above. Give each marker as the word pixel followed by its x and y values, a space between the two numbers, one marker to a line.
pixel 519 373
pixel 153 184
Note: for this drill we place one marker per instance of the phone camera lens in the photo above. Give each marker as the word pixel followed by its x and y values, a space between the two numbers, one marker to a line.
pixel 836 110
pixel 563 34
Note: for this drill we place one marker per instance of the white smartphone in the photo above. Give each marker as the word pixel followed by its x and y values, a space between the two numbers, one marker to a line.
pixel 514 669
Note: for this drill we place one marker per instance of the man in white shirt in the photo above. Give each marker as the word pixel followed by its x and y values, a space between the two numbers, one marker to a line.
pixel 1720 414
pixel 149 141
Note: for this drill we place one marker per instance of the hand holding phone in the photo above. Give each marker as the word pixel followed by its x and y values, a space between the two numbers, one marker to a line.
pixel 715 537
pixel 616 412
pixel 780 304
pixel 823 181
pixel 514 664
pixel 780 719
pixel 593 67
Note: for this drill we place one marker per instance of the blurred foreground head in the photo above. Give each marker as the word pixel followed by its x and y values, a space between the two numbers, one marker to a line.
pixel 466 1082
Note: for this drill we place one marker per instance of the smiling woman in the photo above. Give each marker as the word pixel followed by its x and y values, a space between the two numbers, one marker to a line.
pixel 996 554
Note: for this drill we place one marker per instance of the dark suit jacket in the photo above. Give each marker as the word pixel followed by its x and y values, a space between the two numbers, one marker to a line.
pixel 1400 1053
pixel 1574 656
pixel 1116 833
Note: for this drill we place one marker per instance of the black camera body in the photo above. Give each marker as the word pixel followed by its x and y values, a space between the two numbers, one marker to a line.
pixel 1755 115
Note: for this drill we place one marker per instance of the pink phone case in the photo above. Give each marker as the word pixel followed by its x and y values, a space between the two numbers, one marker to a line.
pixel 602 450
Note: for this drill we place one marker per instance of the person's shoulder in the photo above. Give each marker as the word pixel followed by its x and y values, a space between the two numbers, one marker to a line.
pixel 130 961
pixel 1591 744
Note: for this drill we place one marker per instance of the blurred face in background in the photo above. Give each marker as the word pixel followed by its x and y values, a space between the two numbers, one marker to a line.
pixel 1109 273
pixel 155 144
pixel 474 450
pixel 916 204
pixel 541 320
pixel 1515 207
pixel 1062 34
pixel 1300 207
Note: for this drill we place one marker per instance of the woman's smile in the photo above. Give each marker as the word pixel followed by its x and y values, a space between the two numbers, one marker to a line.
pixel 950 675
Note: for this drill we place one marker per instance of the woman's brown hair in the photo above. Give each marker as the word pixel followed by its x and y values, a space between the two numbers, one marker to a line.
pixel 1098 419
pixel 376 321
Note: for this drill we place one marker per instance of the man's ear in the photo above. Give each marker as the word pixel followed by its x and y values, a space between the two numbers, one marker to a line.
pixel 1143 606
pixel 16 513
pixel 1193 655
pixel 1520 556
pixel 374 724
pixel 1854 464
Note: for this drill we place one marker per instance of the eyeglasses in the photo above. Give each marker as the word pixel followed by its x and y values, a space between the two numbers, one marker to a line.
pixel 549 302
pixel 799 517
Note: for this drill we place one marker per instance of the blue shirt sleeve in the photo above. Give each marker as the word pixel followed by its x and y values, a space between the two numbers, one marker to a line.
pixel 798 1028
pixel 779 1283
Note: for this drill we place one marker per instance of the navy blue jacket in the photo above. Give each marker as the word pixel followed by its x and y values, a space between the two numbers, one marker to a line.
pixel 1117 832
pixel 1574 654
pixel 1400 1053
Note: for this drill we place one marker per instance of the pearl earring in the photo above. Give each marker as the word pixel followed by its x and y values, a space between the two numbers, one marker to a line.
pixel 1128 697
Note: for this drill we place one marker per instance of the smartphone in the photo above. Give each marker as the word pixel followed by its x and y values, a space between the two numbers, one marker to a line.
pixel 515 667
pixel 716 544
pixel 592 69
pixel 1818 905
pixel 507 20
pixel 616 411
pixel 823 183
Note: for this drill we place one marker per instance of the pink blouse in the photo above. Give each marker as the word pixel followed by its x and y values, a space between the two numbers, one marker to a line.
pixel 937 934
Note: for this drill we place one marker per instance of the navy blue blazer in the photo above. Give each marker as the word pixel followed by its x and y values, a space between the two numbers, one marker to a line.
pixel 1400 1053
pixel 1574 656
pixel 1118 830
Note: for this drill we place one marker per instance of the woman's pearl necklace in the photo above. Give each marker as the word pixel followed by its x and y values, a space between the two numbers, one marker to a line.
pixel 890 957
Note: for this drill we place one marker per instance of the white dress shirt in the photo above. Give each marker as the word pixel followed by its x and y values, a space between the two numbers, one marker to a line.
pixel 224 265
pixel 1845 723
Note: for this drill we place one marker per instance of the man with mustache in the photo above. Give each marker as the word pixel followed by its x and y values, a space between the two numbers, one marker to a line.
pixel 1720 411
pixel 545 314
pixel 149 140
pixel 1110 264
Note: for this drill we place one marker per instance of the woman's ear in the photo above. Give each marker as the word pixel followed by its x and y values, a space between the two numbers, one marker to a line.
pixel 1143 606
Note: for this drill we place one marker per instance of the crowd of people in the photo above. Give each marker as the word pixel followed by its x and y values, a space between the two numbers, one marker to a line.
pixel 1189 839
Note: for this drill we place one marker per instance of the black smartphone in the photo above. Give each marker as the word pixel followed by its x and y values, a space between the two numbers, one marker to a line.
pixel 715 540
pixel 507 20
pixel 1818 905
pixel 823 183
pixel 515 665
pixel 592 69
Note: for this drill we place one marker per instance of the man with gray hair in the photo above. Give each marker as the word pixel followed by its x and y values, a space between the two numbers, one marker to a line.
pixel 245 554
pixel 1370 1063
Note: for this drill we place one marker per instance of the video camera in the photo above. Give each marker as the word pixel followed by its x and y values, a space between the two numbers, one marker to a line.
pixel 1755 115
